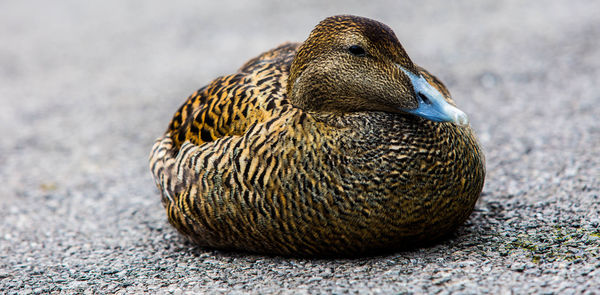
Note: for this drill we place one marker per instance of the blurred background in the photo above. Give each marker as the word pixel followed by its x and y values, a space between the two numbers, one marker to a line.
pixel 86 86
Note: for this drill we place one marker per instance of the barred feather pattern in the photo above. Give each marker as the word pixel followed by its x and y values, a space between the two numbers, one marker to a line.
pixel 241 168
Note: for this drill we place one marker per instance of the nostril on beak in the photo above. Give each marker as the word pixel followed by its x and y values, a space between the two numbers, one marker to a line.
pixel 424 98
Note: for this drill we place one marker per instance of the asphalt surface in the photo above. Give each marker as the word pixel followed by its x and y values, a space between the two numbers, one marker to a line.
pixel 85 88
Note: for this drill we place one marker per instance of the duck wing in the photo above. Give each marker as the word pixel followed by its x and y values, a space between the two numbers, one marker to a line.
pixel 225 109
pixel 230 104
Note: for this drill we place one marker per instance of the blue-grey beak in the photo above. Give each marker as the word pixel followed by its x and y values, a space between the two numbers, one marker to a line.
pixel 432 105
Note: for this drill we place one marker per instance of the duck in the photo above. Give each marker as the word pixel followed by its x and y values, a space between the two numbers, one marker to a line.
pixel 336 146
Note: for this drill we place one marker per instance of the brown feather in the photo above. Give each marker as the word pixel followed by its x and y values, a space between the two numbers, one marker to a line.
pixel 290 157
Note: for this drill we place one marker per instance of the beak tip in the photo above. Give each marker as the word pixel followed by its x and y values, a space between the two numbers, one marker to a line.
pixel 461 119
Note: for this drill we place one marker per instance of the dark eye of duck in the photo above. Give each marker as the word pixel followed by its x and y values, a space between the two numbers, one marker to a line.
pixel 357 50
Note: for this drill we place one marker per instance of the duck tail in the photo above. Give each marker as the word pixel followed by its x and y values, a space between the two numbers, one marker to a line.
pixel 170 167
pixel 162 161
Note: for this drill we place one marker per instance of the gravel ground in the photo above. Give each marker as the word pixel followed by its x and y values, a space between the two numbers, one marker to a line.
pixel 86 88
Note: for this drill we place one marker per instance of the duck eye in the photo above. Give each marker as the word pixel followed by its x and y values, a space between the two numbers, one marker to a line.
pixel 357 50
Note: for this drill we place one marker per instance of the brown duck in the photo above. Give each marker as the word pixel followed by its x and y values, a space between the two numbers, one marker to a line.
pixel 340 145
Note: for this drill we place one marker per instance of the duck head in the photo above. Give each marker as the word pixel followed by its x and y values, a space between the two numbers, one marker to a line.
pixel 351 63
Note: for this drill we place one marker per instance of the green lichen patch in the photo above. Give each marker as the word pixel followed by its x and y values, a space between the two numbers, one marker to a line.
pixel 556 243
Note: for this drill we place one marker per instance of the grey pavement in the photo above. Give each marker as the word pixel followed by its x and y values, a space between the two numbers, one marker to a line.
pixel 86 86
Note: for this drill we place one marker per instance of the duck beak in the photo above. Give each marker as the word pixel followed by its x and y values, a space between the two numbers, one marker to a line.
pixel 432 105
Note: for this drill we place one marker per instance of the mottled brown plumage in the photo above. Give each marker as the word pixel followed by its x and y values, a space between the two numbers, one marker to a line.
pixel 310 150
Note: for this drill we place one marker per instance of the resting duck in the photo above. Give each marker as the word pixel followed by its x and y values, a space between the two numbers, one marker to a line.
pixel 340 145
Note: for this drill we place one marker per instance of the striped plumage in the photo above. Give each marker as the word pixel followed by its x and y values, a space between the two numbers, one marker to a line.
pixel 310 150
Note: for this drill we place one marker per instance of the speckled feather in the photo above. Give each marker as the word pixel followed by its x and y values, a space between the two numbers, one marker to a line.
pixel 242 167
